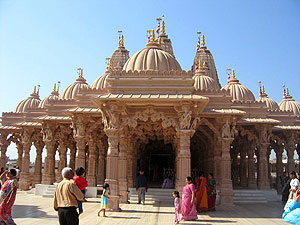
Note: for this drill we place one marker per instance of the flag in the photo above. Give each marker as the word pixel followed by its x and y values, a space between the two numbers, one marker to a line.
pixel 158 28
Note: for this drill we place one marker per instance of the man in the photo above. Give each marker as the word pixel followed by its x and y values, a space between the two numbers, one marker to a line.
pixel 141 187
pixel 66 196
pixel 7 196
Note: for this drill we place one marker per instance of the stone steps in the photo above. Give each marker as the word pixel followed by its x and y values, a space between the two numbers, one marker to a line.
pixel 49 192
pixel 152 195
pixel 254 196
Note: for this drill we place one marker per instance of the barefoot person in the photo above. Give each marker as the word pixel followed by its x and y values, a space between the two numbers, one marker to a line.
pixel 7 196
pixel 66 196
pixel 82 185
pixel 188 209
pixel 177 206
pixel 104 199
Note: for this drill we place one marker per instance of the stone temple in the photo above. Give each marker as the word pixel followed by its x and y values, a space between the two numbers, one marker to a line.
pixel 145 112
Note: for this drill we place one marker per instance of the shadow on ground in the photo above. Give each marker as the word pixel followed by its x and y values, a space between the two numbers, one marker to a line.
pixel 25 211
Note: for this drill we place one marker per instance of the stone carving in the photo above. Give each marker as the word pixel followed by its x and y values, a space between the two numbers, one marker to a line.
pixel 227 131
pixel 185 120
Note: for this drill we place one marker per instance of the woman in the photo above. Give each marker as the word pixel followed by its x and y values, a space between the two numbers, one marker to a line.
pixel 7 196
pixel 294 186
pixel 201 194
pixel 188 208
pixel 211 192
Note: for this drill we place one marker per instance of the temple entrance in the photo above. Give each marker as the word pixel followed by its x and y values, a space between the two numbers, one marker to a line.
pixel 157 159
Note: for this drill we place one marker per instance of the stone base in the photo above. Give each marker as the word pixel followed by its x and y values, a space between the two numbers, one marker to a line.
pixel 113 203
pixel 48 179
pixel 24 185
pixel 91 192
pixel 37 178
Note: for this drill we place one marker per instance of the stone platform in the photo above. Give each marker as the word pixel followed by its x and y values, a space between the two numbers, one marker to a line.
pixel 31 209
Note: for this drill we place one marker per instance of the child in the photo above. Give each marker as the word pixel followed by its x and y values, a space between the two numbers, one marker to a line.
pixel 82 184
pixel 104 199
pixel 177 206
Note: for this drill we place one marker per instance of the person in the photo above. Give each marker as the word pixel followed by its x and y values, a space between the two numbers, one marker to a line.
pixel 211 192
pixel 7 196
pixel 188 209
pixel 201 194
pixel 3 178
pixel 168 183
pixel 82 184
pixel 292 213
pixel 285 182
pixel 141 187
pixel 294 186
pixel 104 199
pixel 18 172
pixel 66 196
pixel 177 206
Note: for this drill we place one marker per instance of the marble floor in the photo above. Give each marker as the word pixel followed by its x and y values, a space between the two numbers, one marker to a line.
pixel 30 209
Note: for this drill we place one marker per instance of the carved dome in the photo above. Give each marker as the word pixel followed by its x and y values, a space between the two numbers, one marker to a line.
pixel 72 90
pixel 52 96
pixel 238 91
pixel 100 82
pixel 270 103
pixel 32 102
pixel 289 104
pixel 152 58
pixel 204 82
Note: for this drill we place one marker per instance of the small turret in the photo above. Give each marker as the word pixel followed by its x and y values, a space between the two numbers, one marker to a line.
pixel 120 55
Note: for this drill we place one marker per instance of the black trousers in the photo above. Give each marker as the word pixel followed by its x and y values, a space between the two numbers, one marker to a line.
pixel 68 216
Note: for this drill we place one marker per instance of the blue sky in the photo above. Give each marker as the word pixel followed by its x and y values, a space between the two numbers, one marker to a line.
pixel 42 42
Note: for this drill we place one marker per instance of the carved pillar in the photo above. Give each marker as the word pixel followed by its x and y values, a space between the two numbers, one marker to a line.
pixel 243 169
pixel 263 178
pixel 25 178
pixel 37 176
pixel 91 172
pixel 217 159
pixel 122 168
pixel 130 171
pixel 20 154
pixel 79 129
pixel 251 167
pixel 290 148
pixel 62 163
pixel 183 158
pixel 101 164
pixel 4 143
pixel 112 167
pixel 279 166
pixel 72 156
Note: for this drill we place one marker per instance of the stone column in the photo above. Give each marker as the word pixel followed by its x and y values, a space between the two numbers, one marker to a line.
pixel 25 178
pixel 72 156
pixel 183 158
pixel 251 167
pixel 217 159
pixel 80 153
pixel 263 178
pixel 37 176
pixel 101 164
pixel 79 126
pixel 279 167
pixel 49 164
pixel 20 154
pixel 91 172
pixel 112 167
pixel 4 143
pixel 62 163
pixel 130 173
pixel 226 191
pixel 122 168
pixel 291 162
pixel 243 169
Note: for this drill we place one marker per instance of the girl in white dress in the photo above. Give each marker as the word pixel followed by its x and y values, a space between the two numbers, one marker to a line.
pixel 294 186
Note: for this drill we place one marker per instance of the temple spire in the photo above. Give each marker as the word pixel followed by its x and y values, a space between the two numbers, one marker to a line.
pixel 80 72
pixel 158 25
pixel 121 39
pixel 203 41
pixel 163 25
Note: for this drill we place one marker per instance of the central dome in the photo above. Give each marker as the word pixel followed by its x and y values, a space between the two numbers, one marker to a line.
pixel 152 58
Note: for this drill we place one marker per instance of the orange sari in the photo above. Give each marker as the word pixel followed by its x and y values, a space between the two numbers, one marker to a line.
pixel 201 195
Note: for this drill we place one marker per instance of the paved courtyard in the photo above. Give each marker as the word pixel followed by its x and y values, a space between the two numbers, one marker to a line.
pixel 30 209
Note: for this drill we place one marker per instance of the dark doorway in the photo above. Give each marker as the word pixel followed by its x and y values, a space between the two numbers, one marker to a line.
pixel 157 159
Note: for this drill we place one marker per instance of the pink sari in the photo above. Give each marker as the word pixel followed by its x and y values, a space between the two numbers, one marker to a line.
pixel 189 211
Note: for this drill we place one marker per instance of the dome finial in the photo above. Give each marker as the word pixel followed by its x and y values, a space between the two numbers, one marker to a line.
pixel 198 43
pixel 108 63
pixel 38 90
pixel 158 25
pixel 80 72
pixel 260 91
pixel 54 88
pixel 203 41
pixel 228 74
pixel 284 91
pixel 263 89
pixel 152 35
pixel 287 92
pixel 163 25
pixel 121 39
pixel 233 74
pixel 34 90
pixel 58 86
pixel 148 35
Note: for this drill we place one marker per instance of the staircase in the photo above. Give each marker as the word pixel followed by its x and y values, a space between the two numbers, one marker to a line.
pixel 254 196
pixel 153 195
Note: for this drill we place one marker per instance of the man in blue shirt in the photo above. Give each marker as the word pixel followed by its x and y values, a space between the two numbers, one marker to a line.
pixel 292 212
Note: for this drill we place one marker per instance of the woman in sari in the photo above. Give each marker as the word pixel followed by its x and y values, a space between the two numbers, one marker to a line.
pixel 201 194
pixel 7 196
pixel 211 192
pixel 188 209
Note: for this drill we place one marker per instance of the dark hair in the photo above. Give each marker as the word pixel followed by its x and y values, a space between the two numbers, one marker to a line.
pixel 80 171
pixel 106 185
pixel 189 178
pixel 294 173
pixel 176 193
pixel 13 172
pixel 211 174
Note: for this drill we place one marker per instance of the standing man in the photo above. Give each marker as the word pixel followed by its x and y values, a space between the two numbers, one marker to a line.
pixel 66 196
pixel 18 172
pixel 141 187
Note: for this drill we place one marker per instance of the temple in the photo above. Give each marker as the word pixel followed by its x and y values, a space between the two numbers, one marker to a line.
pixel 146 112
